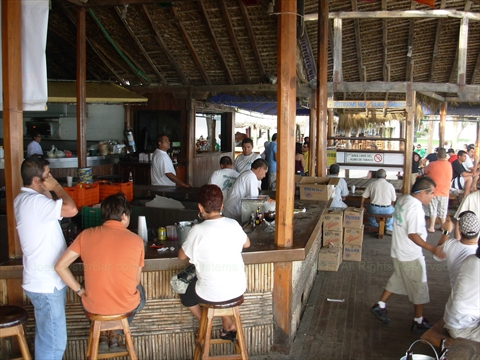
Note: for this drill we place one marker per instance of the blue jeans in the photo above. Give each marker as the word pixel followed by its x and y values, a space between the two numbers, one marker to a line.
pixel 381 210
pixel 50 324
pixel 141 305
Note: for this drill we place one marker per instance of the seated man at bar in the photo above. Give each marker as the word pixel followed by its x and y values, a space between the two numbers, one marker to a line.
pixel 225 177
pixel 461 178
pixel 246 186
pixel 42 242
pixel 245 160
pixel 113 258
pixel 217 258
pixel 382 196
pixel 163 171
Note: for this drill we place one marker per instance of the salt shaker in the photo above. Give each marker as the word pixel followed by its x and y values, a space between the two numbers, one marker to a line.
pixel 353 189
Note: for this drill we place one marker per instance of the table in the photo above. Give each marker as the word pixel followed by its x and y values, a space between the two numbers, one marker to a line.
pixel 362 183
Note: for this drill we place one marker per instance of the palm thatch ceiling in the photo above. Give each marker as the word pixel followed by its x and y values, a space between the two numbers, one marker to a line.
pixel 213 47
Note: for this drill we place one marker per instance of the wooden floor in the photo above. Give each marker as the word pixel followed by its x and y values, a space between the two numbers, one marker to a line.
pixel 348 330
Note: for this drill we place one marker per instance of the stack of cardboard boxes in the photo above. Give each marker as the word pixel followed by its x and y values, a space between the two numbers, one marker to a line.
pixel 342 238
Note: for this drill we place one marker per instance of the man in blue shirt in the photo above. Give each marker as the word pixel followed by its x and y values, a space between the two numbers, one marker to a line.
pixel 271 158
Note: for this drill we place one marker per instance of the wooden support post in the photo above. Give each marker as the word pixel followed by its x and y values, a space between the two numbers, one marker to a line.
pixel 190 148
pixel 430 136
pixel 462 51
pixel 409 129
pixel 337 51
pixel 330 127
pixel 312 166
pixel 443 119
pixel 12 112
pixel 282 306
pixel 81 89
pixel 322 92
pixel 128 115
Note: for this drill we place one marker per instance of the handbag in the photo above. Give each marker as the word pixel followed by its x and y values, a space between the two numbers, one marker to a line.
pixel 180 281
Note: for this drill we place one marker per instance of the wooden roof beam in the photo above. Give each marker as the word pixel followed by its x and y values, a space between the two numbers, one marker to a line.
pixel 385 42
pixel 337 51
pixel 437 43
pixel 457 67
pixel 398 14
pixel 191 48
pixel 110 3
pixel 162 44
pixel 251 37
pixel 309 61
pixel 409 70
pixel 476 71
pixel 233 39
pixel 358 42
pixel 432 95
pixel 94 47
pixel 139 45
pixel 215 44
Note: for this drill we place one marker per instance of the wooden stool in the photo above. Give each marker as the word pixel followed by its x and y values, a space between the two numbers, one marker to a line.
pixel 437 333
pixel 109 322
pixel 12 319
pixel 209 311
pixel 381 218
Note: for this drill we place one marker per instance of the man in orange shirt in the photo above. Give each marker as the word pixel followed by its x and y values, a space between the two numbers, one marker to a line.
pixel 439 171
pixel 113 258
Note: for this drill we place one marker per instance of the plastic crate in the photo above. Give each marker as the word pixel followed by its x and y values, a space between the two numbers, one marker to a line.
pixel 91 217
pixel 84 194
pixel 107 189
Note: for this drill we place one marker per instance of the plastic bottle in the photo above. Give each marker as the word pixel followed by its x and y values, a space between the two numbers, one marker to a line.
pixel 130 177
pixel 128 133
pixel 2 152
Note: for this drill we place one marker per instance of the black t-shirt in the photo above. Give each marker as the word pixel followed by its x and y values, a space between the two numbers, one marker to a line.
pixel 431 157
pixel 415 163
pixel 457 169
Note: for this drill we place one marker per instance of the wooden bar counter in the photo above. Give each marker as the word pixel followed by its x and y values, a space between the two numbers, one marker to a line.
pixel 165 329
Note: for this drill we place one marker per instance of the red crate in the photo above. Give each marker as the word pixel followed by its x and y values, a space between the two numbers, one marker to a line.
pixel 84 194
pixel 107 189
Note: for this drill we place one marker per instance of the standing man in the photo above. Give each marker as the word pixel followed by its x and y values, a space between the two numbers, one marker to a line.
pixel 112 258
pixel 163 171
pixel 440 172
pixel 41 238
pixel 382 196
pixel 461 178
pixel 271 158
pixel 245 160
pixel 306 152
pixel 225 177
pixel 420 151
pixel 246 186
pixel 34 148
pixel 451 155
pixel 341 190
pixel 409 238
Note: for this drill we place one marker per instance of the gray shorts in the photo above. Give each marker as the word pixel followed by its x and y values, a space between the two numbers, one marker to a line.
pixel 438 207
pixel 407 280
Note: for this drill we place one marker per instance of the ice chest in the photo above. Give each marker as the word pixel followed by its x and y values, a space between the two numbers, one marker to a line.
pixel 353 218
pixel 317 188
pixel 329 258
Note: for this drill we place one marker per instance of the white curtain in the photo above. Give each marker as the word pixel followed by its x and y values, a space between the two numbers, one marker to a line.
pixel 34 63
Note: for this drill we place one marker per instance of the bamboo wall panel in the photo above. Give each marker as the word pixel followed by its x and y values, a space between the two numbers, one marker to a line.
pixel 204 166
pixel 3 292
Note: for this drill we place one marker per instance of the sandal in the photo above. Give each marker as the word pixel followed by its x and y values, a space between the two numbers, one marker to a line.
pixel 228 335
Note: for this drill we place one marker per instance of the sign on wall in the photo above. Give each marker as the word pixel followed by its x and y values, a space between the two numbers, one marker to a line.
pixel 370 104
pixel 363 158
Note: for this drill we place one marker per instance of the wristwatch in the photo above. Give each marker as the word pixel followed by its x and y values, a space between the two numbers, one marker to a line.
pixel 78 291
pixel 446 232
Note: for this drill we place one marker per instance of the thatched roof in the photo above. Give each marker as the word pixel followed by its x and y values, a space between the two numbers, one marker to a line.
pixel 230 46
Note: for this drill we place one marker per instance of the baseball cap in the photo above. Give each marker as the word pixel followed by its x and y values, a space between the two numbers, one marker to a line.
pixel 469 224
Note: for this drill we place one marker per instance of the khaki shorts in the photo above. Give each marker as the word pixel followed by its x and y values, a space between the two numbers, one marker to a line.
pixel 409 278
pixel 438 207
pixel 472 333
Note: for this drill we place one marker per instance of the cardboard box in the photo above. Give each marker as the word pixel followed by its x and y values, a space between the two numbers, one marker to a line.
pixel 317 188
pixel 353 218
pixel 333 237
pixel 332 220
pixel 353 236
pixel 352 252
pixel 329 258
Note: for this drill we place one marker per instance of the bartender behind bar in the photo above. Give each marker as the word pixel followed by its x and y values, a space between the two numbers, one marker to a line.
pixel 34 148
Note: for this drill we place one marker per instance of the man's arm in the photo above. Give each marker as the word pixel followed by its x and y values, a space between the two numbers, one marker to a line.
pixel 139 275
pixel 435 250
pixel 247 243
pixel 69 209
pixel 176 180
pixel 361 202
pixel 182 255
pixel 61 267
pixel 447 225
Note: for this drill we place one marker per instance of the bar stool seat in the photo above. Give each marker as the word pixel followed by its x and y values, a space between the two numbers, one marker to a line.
pixel 109 322
pixel 12 319
pixel 211 310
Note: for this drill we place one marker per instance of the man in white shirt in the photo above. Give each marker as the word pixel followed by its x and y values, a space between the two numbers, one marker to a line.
pixel 382 196
pixel 42 241
pixel 225 177
pixel 34 148
pixel 163 172
pixel 469 165
pixel 341 189
pixel 409 238
pixel 456 251
pixel 245 160
pixel 470 202
pixel 246 186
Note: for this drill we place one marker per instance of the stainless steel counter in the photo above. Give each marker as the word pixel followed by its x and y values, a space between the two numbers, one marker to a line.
pixel 72 162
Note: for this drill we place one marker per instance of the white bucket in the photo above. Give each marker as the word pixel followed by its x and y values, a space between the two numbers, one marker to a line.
pixel 183 228
pixel 419 356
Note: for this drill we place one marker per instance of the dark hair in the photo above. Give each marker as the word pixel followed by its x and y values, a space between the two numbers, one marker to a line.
pixel 451 151
pixel 298 148
pixel 470 147
pixel 461 153
pixel 274 137
pixel 334 169
pixel 422 183
pixel 441 154
pixel 247 141
pixel 226 160
pixel 159 137
pixel 31 167
pixel 260 163
pixel 35 133
pixel 114 206
pixel 210 197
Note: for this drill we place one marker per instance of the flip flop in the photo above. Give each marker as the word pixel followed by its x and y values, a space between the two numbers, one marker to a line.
pixel 228 335
pixel 431 232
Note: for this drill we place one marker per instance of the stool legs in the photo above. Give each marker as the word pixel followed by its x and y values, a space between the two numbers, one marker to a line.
pixel 94 338
pixel 381 227
pixel 129 340
pixel 22 341
pixel 240 346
